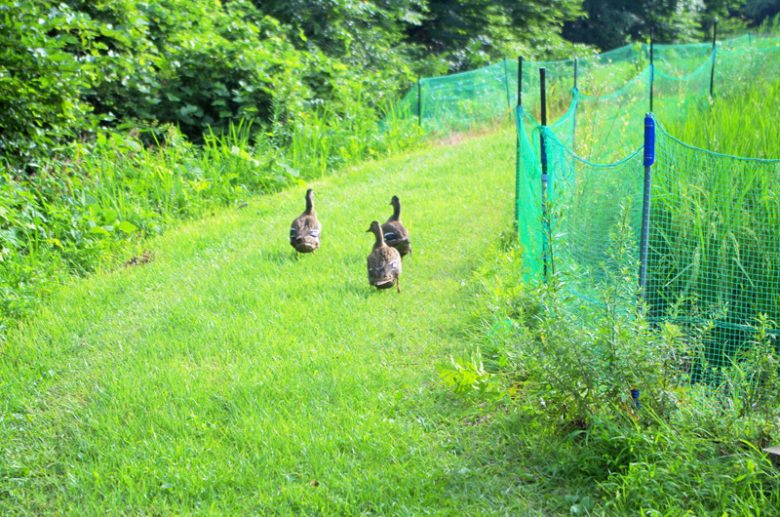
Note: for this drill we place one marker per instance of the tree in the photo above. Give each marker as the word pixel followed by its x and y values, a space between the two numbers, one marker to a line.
pixel 757 11
pixel 474 32
pixel 613 23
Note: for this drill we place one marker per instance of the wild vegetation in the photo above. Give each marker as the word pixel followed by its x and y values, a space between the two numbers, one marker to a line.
pixel 651 410
pixel 70 67
pixel 731 126
pixel 597 405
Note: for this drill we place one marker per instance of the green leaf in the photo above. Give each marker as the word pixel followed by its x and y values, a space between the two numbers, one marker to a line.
pixel 99 230
pixel 126 227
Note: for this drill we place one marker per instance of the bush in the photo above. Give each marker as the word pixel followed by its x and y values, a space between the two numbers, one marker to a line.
pixel 40 83
pixel 564 370
pixel 69 67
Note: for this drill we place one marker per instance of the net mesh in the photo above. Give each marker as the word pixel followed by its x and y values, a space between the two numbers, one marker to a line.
pixel 714 242
pixel 714 231
pixel 462 101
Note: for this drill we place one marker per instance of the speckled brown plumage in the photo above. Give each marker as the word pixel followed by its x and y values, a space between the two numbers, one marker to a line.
pixel 305 229
pixel 384 262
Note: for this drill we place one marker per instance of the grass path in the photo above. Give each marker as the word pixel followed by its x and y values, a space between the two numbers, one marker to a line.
pixel 226 377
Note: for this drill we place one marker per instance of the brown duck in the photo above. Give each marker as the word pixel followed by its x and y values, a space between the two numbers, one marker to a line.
pixel 305 229
pixel 384 262
pixel 394 232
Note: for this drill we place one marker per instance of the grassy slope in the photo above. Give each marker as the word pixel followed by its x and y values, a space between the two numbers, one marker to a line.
pixel 227 375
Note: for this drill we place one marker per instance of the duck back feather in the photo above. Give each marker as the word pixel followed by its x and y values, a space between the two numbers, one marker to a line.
pixel 305 229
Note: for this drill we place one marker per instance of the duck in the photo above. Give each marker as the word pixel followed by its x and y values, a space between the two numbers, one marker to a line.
pixel 395 234
pixel 305 229
pixel 384 262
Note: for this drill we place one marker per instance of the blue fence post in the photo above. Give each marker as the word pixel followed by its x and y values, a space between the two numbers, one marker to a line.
pixel 543 155
pixel 635 398
pixel 644 244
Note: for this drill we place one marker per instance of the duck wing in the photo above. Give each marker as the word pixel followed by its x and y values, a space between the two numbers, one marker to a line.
pixel 397 236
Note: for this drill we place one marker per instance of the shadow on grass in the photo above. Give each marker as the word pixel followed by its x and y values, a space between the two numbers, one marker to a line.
pixel 358 289
pixel 280 257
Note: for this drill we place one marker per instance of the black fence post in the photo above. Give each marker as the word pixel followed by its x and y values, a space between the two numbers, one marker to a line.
pixel 644 243
pixel 714 53
pixel 519 81
pixel 518 121
pixel 576 66
pixel 652 69
pixel 543 155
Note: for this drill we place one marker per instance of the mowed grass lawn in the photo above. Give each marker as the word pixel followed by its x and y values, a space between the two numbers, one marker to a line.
pixel 228 377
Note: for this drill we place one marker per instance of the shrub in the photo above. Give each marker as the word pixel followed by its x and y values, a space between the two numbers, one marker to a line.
pixel 564 369
pixel 40 83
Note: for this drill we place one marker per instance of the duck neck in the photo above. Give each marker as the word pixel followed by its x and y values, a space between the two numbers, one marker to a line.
pixel 396 211
pixel 380 239
pixel 309 204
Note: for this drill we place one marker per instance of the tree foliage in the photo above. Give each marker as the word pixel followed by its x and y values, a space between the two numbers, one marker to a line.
pixel 70 66
pixel 469 32
pixel 612 23
pixel 40 81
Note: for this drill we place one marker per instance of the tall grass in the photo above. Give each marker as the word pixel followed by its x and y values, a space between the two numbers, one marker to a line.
pixel 742 122
pixel 714 251
pixel 715 222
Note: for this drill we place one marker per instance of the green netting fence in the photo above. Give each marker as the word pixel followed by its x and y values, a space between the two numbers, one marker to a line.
pixel 713 247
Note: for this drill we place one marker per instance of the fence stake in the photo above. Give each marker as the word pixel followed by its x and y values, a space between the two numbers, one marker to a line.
pixel 576 65
pixel 644 244
pixel 543 154
pixel 518 121
pixel 714 53
pixel 576 98
pixel 419 102
pixel 652 70
pixel 506 87
pixel 519 81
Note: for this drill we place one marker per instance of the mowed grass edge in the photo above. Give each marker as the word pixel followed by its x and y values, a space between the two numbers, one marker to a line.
pixel 228 376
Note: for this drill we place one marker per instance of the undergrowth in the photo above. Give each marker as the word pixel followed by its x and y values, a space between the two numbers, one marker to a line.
pixel 601 403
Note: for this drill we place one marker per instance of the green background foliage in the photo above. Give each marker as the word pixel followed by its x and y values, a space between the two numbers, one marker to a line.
pixel 69 67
